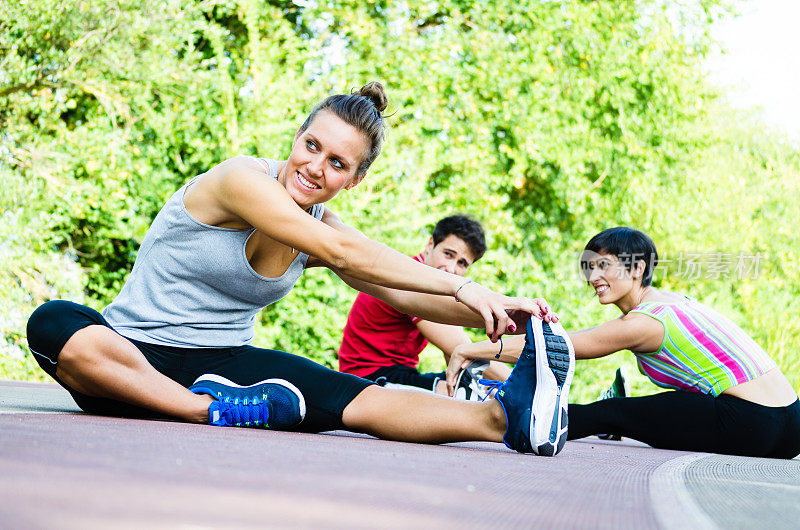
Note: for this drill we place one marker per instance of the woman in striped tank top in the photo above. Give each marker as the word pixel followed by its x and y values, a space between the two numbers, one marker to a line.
pixel 727 395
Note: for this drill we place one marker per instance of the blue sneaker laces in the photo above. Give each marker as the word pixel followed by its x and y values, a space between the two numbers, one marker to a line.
pixel 239 413
pixel 492 385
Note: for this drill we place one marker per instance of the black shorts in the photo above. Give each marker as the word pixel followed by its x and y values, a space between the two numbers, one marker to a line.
pixel 326 391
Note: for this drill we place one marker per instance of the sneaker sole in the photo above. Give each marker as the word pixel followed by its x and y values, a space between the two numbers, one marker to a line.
pixel 282 382
pixel 554 371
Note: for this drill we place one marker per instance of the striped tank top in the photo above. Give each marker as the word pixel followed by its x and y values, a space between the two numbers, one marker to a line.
pixel 702 350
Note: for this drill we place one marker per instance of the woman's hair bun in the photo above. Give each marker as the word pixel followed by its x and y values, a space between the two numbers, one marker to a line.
pixel 375 92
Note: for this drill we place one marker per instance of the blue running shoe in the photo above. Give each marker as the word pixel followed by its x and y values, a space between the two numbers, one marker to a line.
pixel 270 404
pixel 534 398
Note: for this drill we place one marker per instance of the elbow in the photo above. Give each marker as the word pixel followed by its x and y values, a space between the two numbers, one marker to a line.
pixel 338 261
pixel 339 253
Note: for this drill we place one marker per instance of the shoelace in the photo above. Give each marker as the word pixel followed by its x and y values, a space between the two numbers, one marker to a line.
pixel 492 385
pixel 247 412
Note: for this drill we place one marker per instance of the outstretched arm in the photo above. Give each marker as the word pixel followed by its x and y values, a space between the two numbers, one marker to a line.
pixel 238 191
pixel 515 311
pixel 506 350
pixel 445 309
pixel 450 338
pixel 443 336
pixel 634 331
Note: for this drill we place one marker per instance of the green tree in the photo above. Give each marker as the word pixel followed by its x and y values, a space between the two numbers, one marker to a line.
pixel 549 121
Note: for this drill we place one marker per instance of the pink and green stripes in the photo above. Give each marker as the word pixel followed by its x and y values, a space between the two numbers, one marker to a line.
pixel 702 350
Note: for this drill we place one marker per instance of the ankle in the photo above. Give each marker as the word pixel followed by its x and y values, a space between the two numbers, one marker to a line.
pixel 200 413
pixel 497 422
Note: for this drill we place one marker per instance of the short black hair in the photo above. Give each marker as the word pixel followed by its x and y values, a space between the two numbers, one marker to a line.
pixel 465 228
pixel 629 246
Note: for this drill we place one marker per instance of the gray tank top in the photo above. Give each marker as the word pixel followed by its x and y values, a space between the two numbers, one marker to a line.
pixel 192 286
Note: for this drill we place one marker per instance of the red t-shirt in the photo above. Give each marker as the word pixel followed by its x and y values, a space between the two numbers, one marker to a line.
pixel 378 335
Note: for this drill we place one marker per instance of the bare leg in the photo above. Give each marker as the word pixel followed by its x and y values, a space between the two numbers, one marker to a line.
pixel 98 362
pixel 409 416
pixel 497 371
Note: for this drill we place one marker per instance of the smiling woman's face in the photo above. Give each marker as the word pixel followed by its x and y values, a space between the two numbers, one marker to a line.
pixel 610 278
pixel 324 160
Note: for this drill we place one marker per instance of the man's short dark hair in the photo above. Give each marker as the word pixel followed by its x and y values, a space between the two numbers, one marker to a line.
pixel 465 228
pixel 629 246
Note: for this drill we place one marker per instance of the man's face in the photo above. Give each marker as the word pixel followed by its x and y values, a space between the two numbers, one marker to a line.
pixel 451 255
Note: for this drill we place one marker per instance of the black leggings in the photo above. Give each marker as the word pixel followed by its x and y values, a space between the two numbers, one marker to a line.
pixel 326 392
pixel 690 421
pixel 406 375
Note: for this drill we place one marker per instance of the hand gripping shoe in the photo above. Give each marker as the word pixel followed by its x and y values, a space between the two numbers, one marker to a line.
pixel 535 396
pixel 270 404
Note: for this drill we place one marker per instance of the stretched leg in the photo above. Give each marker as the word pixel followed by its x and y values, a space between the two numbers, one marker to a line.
pixel 335 400
pixel 656 420
pixel 684 421
pixel 521 406
pixel 423 417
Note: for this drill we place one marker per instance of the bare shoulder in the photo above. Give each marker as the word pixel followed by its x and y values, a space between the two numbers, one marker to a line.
pixel 644 331
pixel 667 297
pixel 209 198
pixel 638 321
pixel 240 167
pixel 244 162
pixel 232 169
pixel 330 218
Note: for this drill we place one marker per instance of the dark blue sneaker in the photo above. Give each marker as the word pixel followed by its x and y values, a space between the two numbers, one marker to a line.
pixel 534 398
pixel 270 404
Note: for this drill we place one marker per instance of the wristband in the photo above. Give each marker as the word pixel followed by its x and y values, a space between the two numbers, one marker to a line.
pixel 455 295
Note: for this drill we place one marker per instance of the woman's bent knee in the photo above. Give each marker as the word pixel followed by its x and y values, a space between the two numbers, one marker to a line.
pixel 84 346
pixel 53 324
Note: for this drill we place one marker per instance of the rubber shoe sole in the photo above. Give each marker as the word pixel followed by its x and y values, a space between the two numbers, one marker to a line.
pixel 555 366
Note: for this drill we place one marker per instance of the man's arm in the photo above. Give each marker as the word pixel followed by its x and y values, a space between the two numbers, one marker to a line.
pixel 443 336
pixel 634 332
pixel 448 338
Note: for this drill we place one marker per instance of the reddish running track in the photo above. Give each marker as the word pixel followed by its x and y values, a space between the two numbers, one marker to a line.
pixel 65 469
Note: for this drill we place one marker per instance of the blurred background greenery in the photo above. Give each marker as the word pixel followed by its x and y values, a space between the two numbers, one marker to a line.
pixel 547 120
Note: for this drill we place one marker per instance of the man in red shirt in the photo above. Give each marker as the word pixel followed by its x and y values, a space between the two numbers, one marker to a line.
pixel 382 344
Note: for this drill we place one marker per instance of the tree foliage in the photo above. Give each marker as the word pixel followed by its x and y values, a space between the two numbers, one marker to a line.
pixel 548 120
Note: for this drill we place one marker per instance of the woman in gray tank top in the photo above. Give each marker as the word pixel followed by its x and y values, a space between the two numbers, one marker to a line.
pixel 234 240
